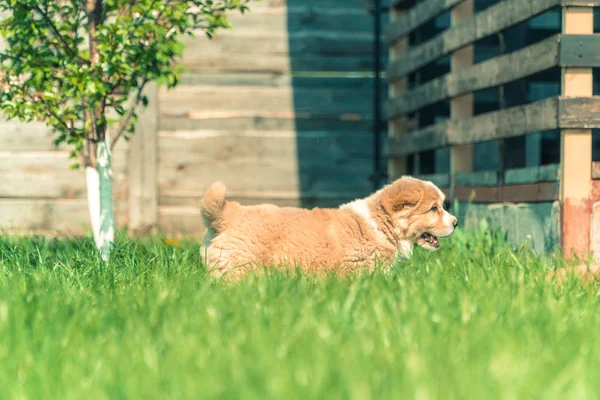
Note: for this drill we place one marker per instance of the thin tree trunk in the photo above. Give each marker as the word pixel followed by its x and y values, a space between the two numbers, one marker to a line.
pixel 100 200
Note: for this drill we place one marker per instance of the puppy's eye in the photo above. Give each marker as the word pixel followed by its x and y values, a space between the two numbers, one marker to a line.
pixel 434 208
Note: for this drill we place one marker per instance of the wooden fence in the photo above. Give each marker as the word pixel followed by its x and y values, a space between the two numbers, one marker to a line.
pixel 450 109
pixel 279 108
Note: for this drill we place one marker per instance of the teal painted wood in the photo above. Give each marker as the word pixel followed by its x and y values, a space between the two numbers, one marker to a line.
pixel 515 121
pixel 580 51
pixel 416 16
pixel 491 73
pixel 263 123
pixel 482 178
pixel 490 21
pixel 543 173
pixel 533 224
pixel 330 19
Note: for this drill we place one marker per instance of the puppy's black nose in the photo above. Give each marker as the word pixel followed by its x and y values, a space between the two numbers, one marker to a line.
pixel 455 223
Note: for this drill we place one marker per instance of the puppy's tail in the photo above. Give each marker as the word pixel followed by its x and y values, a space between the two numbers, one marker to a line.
pixel 213 205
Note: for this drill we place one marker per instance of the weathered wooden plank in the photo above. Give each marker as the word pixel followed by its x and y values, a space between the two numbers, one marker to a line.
pixel 50 215
pixel 181 221
pixel 233 100
pixel 143 156
pixel 542 173
pixel 579 112
pixel 46 174
pixel 580 51
pixel 39 174
pixel 348 81
pixel 515 121
pixel 481 178
pixel 277 63
pixel 264 122
pixel 492 20
pixel 33 136
pixel 320 43
pixel 47 215
pixel 537 192
pixel 429 93
pixel 581 3
pixel 536 224
pixel 487 74
pixel 298 18
pixel 429 138
pixel 416 16
pixel 283 161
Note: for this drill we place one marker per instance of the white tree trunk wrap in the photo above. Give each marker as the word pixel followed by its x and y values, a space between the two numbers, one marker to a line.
pixel 100 201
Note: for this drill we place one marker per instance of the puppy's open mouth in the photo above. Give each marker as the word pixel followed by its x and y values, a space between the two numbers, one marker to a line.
pixel 430 239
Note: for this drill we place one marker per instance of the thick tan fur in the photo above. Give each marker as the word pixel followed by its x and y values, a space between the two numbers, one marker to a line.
pixel 380 227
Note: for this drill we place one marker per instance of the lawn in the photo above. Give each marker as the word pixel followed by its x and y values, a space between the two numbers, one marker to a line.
pixel 475 320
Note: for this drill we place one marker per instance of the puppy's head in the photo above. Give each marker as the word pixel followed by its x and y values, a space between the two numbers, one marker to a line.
pixel 416 212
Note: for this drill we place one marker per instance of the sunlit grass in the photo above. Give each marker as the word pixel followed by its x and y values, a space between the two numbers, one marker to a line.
pixel 475 320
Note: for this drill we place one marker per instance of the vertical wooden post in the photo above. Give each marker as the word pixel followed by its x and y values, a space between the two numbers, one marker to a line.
pixel 576 147
pixel 461 156
pixel 397 166
pixel 143 190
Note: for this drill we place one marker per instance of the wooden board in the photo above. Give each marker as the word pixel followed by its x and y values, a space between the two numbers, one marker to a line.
pixel 487 74
pixel 515 121
pixel 322 81
pixel 261 121
pixel 542 173
pixel 579 113
pixel 280 161
pixel 46 174
pixel 317 43
pixel 416 16
pixel 17 136
pixel 580 51
pixel 536 192
pixel 51 215
pixel 274 101
pixel 480 178
pixel 543 115
pixel 301 18
pixel 492 20
pixel 276 63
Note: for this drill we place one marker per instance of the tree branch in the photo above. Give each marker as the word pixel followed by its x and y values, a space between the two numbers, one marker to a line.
pixel 24 61
pixel 125 123
pixel 57 34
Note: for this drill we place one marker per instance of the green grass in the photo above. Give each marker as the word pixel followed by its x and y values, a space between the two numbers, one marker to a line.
pixel 473 320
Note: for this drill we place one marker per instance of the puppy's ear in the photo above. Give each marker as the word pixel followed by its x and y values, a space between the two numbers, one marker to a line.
pixel 402 194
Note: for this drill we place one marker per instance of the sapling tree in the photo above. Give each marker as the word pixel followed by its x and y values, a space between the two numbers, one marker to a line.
pixel 81 67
